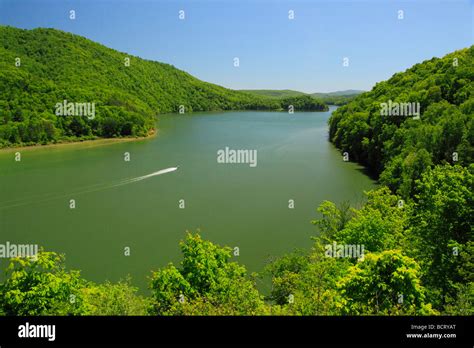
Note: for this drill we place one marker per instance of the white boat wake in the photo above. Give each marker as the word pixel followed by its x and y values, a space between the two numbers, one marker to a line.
pixel 87 189
pixel 138 178
pixel 163 171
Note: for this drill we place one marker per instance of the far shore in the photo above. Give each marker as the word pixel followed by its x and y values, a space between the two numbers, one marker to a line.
pixel 93 142
pixel 108 141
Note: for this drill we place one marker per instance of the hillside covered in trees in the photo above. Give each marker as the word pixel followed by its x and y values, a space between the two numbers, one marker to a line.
pixel 416 228
pixel 43 67
pixel 424 157
pixel 399 148
pixel 339 97
pixel 331 98
pixel 274 93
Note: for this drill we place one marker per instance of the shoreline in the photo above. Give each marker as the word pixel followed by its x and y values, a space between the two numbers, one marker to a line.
pixel 108 141
pixel 227 111
pixel 98 142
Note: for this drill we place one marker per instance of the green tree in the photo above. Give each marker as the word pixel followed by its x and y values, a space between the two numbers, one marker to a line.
pixel 207 282
pixel 114 299
pixel 127 98
pixel 306 283
pixel 443 224
pixel 386 283
pixel 41 286
pixel 333 219
pixel 378 225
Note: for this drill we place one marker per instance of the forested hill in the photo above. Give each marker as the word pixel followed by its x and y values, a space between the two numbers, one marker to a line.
pixel 398 146
pixel 274 93
pixel 42 67
pixel 331 98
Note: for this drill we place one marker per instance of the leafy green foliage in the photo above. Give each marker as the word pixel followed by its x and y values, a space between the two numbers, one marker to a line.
pixel 332 98
pixel 114 299
pixel 442 227
pixel 273 93
pixel 337 98
pixel 41 286
pixel 378 225
pixel 333 219
pixel 385 283
pixel 399 148
pixel 422 249
pixel 303 103
pixel 417 228
pixel 57 66
pixel 428 163
pixel 206 283
pixel 306 283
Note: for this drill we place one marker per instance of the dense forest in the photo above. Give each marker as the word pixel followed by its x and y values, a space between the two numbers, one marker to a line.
pixel 416 228
pixel 399 148
pixel 337 98
pixel 43 67
pixel 426 159
pixel 303 102
pixel 274 93
pixel 331 98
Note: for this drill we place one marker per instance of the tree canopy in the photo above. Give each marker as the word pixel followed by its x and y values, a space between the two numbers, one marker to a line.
pixel 399 149
pixel 40 68
pixel 416 229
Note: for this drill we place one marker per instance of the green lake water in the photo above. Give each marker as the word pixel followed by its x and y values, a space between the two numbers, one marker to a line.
pixel 232 204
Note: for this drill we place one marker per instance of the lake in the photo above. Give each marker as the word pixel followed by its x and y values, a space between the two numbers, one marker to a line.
pixel 232 204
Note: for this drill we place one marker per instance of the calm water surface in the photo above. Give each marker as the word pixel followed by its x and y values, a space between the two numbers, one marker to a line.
pixel 232 204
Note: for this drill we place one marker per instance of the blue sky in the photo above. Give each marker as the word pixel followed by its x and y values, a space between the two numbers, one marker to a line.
pixel 304 54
